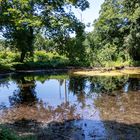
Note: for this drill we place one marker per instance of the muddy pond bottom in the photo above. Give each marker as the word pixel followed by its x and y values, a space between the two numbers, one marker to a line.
pixel 67 107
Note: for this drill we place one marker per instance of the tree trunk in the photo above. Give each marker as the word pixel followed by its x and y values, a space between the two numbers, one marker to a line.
pixel 22 56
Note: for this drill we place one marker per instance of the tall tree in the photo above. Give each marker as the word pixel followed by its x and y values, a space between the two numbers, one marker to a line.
pixel 131 14
pixel 116 34
pixel 106 40
pixel 20 20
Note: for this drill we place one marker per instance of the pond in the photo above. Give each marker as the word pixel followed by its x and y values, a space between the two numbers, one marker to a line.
pixel 67 107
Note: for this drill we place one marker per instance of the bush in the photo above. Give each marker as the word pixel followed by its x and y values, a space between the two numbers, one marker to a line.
pixel 40 65
pixel 40 56
pixel 9 57
pixel 109 56
pixel 42 60
pixel 12 57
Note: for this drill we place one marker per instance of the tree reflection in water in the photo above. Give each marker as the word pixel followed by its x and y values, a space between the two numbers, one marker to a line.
pixel 26 92
pixel 116 102
pixel 133 84
pixel 77 86
pixel 26 105
pixel 107 84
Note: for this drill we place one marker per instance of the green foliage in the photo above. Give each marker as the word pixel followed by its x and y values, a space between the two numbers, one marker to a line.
pixel 107 84
pixel 8 57
pixel 51 59
pixel 75 50
pixel 8 60
pixel 21 20
pixel 42 43
pixel 2 45
pixel 41 56
pixel 131 12
pixel 43 78
pixel 42 60
pixel 109 56
pixel 115 39
pixel 8 134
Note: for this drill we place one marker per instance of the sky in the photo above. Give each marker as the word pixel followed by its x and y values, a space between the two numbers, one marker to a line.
pixel 1 35
pixel 90 14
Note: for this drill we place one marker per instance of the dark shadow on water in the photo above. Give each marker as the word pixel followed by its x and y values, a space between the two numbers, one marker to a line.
pixel 78 130
pixel 25 94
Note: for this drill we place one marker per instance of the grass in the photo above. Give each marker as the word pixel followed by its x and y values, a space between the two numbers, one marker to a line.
pixel 8 134
pixel 103 72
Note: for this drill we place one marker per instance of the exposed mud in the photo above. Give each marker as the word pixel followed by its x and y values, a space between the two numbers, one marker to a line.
pixel 74 108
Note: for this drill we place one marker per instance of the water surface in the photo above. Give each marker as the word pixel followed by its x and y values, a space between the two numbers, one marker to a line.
pixel 59 107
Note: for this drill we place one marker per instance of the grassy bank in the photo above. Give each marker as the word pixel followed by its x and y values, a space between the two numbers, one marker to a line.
pixel 108 72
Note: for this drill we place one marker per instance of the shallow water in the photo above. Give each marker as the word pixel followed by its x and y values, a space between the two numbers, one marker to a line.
pixel 59 107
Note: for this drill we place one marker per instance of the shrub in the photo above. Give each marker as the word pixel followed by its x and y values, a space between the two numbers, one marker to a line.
pixel 12 57
pixel 8 57
pixel 41 56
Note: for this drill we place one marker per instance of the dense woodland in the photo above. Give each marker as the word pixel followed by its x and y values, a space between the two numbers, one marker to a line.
pixel 38 34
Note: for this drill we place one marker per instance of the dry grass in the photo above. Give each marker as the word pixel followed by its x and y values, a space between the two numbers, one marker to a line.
pixel 103 72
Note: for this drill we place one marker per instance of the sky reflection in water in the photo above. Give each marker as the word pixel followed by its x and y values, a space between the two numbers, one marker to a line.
pixel 98 107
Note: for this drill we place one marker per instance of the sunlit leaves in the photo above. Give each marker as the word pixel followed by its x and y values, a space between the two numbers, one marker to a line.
pixel 21 20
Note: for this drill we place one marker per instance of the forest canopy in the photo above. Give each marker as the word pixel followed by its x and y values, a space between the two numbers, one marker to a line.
pixel 37 27
pixel 21 20
pixel 116 34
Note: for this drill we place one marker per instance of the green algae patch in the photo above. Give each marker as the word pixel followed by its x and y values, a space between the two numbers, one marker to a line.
pixel 104 72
